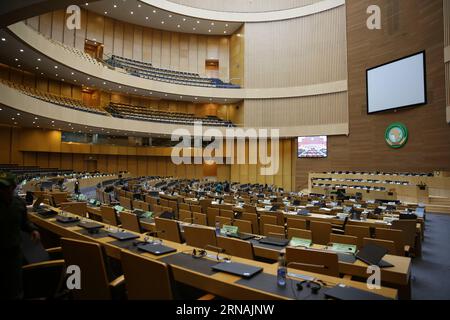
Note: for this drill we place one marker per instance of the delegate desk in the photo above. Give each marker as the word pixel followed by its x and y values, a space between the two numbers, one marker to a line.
pixel 218 283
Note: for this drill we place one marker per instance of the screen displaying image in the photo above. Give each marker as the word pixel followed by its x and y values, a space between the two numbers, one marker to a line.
pixel 397 84
pixel 312 147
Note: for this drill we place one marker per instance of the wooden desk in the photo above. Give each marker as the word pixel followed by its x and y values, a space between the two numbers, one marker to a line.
pixel 220 284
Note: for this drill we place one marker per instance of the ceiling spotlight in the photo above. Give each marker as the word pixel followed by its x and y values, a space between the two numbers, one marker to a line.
pixel 226 25
pixel 198 21
pixel 53 121
pixel 162 22
pixel 139 5
pixel 106 12
pixel 56 74
pixel 3 39
pixel 35 118
pixel 42 73
pixel 72 73
pixel 115 6
pixel 18 114
pixel 225 31
pixel 170 16
pixel 212 23
pixel 13 119
pixel 146 18
pixel 18 66
pixel 104 83
pixel 86 4
pixel 154 11
pixel 21 50
pixel 184 19
pixel 89 78
pixel 178 26
pixel 209 30
pixel 74 80
pixel 193 29
pixel 56 67
pixel 16 59
pixel 34 122
pixel 38 59
pixel 131 12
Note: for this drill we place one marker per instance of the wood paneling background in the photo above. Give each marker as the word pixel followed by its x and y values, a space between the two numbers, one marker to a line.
pixel 297 52
pixel 245 5
pixel 407 27
pixel 237 56
pixel 325 109
pixel 170 50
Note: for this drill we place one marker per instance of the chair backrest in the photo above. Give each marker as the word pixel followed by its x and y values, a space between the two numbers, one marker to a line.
pixel 236 247
pixel 200 218
pixel 196 208
pixel 185 215
pixel 59 197
pixel 358 231
pixel 130 221
pixel 299 233
pixel 212 213
pixel 184 206
pixel 137 204
pixel 320 232
pixel 344 239
pixel 296 223
pixel 199 237
pixel 174 205
pixel 125 202
pixel 223 221
pixel 163 202
pixel 388 245
pixel 151 200
pixel 266 219
pixel 272 230
pixel 78 208
pixel 409 230
pixel 314 261
pixel 156 285
pixel 168 230
pixel 88 256
pixel 392 235
pixel 249 208
pixel 227 213
pixel 109 215
pixel 243 225
pixel 253 218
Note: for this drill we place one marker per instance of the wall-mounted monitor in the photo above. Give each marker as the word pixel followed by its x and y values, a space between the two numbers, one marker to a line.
pixel 397 84
pixel 312 147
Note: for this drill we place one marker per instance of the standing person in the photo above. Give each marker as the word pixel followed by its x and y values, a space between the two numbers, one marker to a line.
pixel 13 220
pixel 76 188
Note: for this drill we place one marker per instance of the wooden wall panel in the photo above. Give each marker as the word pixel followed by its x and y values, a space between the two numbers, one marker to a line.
pixel 5 145
pixel 297 52
pixel 164 49
pixel 414 26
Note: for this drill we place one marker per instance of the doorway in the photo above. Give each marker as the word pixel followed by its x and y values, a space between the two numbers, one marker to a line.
pixel 212 68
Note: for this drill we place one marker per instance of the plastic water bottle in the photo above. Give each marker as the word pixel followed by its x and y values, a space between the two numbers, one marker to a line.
pixel 281 272
pixel 217 228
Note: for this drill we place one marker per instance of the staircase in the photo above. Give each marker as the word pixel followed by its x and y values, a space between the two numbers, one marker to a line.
pixel 439 205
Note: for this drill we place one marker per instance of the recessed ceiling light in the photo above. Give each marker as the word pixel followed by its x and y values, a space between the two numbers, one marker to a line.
pixel 178 26
pixel 56 67
pixel 162 22
pixel 106 12
pixel 86 4
pixel 120 87
pixel 209 30
pixel 13 119
pixel 42 73
pixel 139 5
pixel 34 122
pixel 170 16
pixel 37 68
pixel 38 59
pixel 89 78
pixel 19 66
pixel 196 98
pixel 18 114
pixel 21 50
pixel 62 79
pixel 3 39
pixel 131 12
pixel 198 21
pixel 104 82
pixel 53 121
pixel 35 118
pixel 75 80
pixel 226 25
pixel 72 73
pixel 56 74
pixel 225 31
pixel 15 123
pixel 16 59
pixel 193 29
pixel 115 6
pixel 154 11
pixel 212 23
pixel 1 109
pixel 146 18
pixel 184 19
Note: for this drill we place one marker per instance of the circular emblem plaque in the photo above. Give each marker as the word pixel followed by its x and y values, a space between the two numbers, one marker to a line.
pixel 396 135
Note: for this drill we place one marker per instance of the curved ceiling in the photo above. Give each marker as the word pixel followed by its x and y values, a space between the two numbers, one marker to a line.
pixel 245 16
pixel 139 13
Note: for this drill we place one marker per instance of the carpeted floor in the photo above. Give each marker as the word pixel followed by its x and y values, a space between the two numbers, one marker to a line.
pixel 431 272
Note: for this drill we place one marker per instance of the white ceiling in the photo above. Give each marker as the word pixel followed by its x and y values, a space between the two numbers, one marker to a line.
pixel 140 13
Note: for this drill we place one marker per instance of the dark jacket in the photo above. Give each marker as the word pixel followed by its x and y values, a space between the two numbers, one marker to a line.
pixel 13 219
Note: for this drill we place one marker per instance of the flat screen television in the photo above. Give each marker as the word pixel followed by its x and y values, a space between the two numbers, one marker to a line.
pixel 397 84
pixel 312 147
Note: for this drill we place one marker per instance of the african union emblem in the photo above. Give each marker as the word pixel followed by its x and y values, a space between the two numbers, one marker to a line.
pixel 396 135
